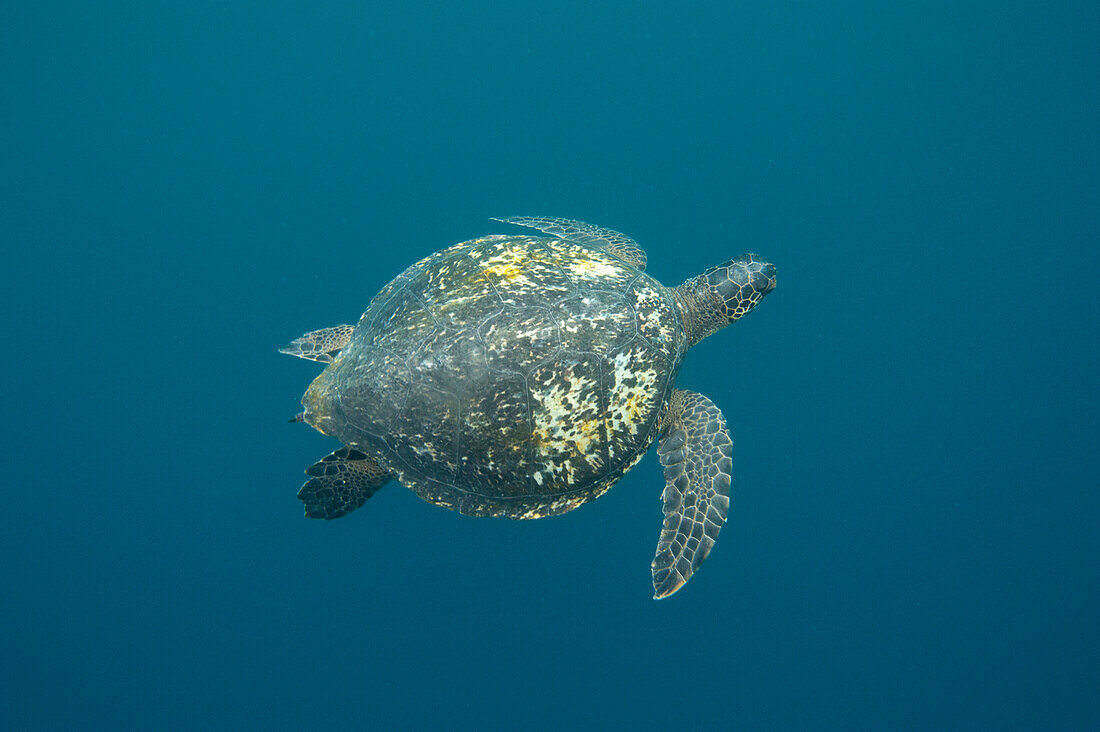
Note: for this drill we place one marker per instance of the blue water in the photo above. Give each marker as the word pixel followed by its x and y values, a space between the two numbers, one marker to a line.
pixel 913 539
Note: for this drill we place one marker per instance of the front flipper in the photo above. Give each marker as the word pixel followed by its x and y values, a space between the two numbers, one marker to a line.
pixel 341 483
pixel 320 345
pixel 621 245
pixel 696 451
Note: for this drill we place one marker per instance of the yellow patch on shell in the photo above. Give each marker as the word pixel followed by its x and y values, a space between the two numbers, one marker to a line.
pixel 568 429
pixel 588 267
pixel 633 392
pixel 506 272
pixel 517 267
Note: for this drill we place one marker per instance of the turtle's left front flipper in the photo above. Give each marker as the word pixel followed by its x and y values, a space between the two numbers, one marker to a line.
pixel 620 245
pixel 320 345
pixel 341 482
pixel 695 449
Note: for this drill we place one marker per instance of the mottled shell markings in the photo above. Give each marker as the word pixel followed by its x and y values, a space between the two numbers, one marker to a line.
pixel 590 267
pixel 509 375
pixel 568 431
pixel 458 292
pixel 519 338
pixel 520 270
pixel 657 320
pixel 633 391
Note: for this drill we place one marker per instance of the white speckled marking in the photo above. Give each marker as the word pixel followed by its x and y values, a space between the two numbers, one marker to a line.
pixel 633 389
pixel 566 430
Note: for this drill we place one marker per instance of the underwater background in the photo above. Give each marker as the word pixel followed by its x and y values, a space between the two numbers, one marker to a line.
pixel 913 541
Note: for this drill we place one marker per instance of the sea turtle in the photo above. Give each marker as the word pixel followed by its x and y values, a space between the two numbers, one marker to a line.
pixel 522 376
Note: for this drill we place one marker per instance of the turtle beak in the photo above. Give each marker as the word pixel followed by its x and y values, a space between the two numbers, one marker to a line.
pixel 751 270
pixel 767 270
pixel 741 283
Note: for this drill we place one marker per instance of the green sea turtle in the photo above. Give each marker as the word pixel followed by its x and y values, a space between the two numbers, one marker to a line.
pixel 522 376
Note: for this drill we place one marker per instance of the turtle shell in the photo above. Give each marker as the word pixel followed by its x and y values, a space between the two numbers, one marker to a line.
pixel 508 375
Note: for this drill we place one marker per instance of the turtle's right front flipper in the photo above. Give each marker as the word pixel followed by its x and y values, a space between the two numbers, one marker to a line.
pixel 696 450
pixel 341 482
pixel 320 345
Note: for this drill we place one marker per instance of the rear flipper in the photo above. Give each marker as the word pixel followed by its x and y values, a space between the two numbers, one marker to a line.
pixel 320 345
pixel 696 451
pixel 341 483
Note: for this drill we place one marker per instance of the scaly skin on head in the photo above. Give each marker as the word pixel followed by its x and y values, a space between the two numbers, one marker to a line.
pixel 723 294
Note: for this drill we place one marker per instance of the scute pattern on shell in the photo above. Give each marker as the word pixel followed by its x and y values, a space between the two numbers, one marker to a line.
pixel 508 375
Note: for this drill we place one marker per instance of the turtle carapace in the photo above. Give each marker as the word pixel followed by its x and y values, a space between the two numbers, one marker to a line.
pixel 523 376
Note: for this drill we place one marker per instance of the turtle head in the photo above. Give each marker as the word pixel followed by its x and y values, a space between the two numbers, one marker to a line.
pixel 740 283
pixel 723 294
